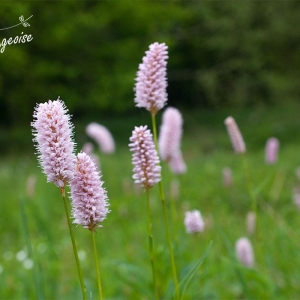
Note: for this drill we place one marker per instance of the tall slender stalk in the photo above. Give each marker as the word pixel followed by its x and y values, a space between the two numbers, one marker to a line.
pixel 97 265
pixel 151 251
pixel 254 209
pixel 163 201
pixel 249 185
pixel 62 190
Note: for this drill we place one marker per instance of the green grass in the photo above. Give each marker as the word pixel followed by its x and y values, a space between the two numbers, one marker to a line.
pixel 122 242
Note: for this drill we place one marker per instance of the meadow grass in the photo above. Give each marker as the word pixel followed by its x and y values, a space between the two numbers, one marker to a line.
pixel 122 242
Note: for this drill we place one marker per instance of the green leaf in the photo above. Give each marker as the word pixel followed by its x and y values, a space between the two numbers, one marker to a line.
pixel 185 281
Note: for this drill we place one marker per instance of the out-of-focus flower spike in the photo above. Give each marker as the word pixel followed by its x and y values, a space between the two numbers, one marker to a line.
pixel 235 136
pixel 102 136
pixel 193 221
pixel 271 150
pixel 244 252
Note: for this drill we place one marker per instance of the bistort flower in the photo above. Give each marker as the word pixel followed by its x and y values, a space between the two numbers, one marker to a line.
pixel 144 158
pixel 193 221
pixel 244 252
pixel 176 163
pixel 89 198
pixel 102 136
pixel 151 81
pixel 170 133
pixel 235 136
pixel 53 134
pixel 272 146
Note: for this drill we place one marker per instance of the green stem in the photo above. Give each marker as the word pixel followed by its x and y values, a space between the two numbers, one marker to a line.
pixel 97 265
pixel 249 186
pixel 62 190
pixel 150 238
pixel 254 208
pixel 163 201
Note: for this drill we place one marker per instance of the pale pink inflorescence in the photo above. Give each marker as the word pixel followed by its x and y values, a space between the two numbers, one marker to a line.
pixel 177 164
pixel 53 134
pixel 170 133
pixel 147 171
pixel 235 136
pixel 151 81
pixel 89 198
pixel 102 136
pixel 271 150
pixel 244 252
pixel 88 148
pixel 193 221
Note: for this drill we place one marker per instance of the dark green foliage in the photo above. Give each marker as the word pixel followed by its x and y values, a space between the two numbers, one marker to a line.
pixel 222 53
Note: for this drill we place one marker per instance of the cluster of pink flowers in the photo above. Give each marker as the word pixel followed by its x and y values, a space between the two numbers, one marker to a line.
pixel 52 130
pixel 244 252
pixel 235 136
pixel 193 221
pixel 272 146
pixel 102 136
pixel 151 82
pixel 53 134
pixel 144 158
pixel 90 205
pixel 170 138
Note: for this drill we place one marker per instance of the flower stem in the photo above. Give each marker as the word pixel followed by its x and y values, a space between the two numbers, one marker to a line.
pixel 249 186
pixel 62 190
pixel 97 265
pixel 150 238
pixel 163 201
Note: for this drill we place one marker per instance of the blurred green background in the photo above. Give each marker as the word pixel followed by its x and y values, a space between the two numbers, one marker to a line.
pixel 222 54
pixel 238 58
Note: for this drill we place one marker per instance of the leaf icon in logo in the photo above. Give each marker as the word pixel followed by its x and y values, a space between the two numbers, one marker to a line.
pixel 25 24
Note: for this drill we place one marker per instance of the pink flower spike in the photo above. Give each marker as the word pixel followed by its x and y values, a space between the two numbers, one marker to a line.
pixel 170 133
pixel 193 221
pixel 144 158
pixel 244 252
pixel 89 198
pixel 151 81
pixel 53 134
pixel 272 147
pixel 177 164
pixel 235 136
pixel 102 136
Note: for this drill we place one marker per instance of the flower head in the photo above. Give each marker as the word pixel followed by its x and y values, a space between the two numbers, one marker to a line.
pixel 151 82
pixel 193 221
pixel 52 132
pixel 89 198
pixel 244 252
pixel 170 133
pixel 144 158
pixel 235 136
pixel 176 163
pixel 272 147
pixel 102 136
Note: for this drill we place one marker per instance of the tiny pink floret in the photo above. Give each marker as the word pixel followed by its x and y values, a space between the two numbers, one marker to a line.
pixel 53 135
